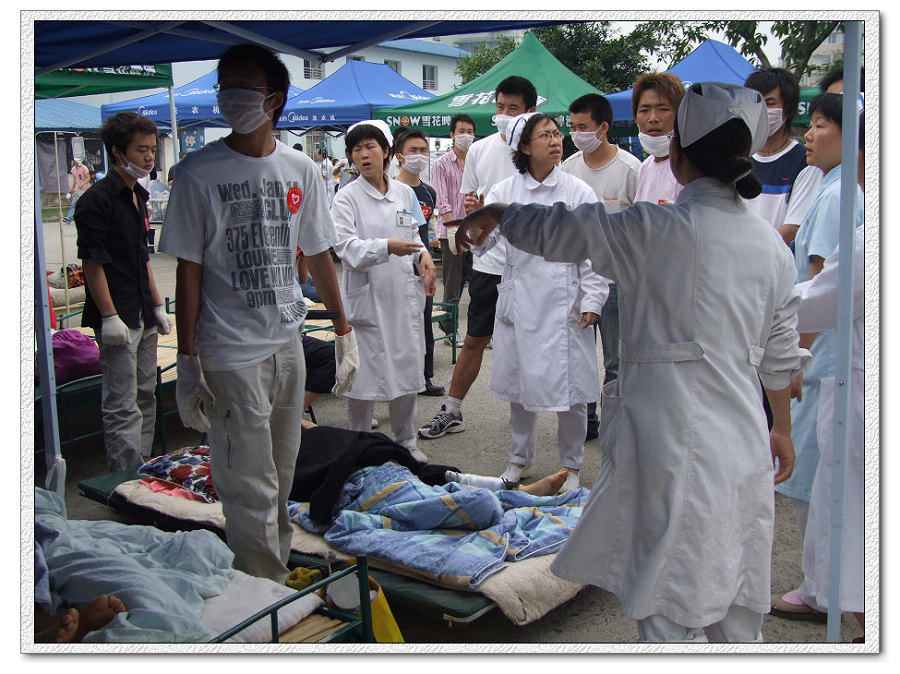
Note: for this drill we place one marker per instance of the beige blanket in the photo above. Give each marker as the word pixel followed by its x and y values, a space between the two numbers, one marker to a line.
pixel 524 591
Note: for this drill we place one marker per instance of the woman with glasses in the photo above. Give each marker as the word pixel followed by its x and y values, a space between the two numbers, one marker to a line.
pixel 680 521
pixel 545 358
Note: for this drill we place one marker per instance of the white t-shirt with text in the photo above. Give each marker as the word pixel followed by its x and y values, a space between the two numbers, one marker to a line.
pixel 615 184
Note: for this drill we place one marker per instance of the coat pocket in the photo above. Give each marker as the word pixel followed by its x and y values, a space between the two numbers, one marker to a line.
pixel 506 302
pixel 359 306
pixel 609 414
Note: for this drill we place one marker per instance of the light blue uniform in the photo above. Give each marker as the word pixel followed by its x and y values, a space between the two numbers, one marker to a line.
pixel 818 235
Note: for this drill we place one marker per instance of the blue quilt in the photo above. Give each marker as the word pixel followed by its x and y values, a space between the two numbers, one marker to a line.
pixel 162 578
pixel 454 535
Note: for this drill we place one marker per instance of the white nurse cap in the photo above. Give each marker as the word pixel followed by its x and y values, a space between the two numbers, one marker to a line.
pixel 379 124
pixel 708 105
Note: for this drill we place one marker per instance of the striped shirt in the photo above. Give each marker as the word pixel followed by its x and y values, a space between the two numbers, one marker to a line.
pixel 446 176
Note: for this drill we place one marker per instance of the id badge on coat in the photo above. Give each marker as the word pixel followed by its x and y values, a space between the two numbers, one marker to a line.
pixel 406 220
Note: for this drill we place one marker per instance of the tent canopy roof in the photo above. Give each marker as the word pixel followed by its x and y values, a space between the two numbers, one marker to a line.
pixel 556 85
pixel 712 61
pixel 114 42
pixel 64 115
pixel 348 96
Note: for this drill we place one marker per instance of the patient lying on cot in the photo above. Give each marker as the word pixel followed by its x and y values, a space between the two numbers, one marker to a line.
pixel 328 455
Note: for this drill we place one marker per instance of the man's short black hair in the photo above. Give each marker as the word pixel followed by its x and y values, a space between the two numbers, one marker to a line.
pixel 277 76
pixel 830 106
pixel 597 105
pixel 518 86
pixel 836 75
pixel 765 80
pixel 404 135
pixel 460 117
pixel 119 130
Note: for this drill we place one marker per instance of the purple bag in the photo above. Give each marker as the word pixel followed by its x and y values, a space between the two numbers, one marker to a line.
pixel 75 355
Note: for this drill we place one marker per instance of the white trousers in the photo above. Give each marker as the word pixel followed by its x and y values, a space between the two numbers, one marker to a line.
pixel 404 414
pixel 523 428
pixel 128 397
pixel 254 439
pixel 740 625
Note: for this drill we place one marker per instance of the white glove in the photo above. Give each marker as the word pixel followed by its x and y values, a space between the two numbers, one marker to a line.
pixel 190 391
pixel 114 332
pixel 163 320
pixel 346 355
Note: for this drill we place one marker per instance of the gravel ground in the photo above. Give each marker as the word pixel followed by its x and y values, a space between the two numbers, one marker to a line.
pixel 594 616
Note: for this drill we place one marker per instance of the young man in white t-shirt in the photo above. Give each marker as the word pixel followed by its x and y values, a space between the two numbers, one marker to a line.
pixel 613 175
pixel 654 101
pixel 239 211
pixel 489 161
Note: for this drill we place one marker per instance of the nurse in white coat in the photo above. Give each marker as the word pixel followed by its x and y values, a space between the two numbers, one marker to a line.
pixel 377 223
pixel 545 360
pixel 680 521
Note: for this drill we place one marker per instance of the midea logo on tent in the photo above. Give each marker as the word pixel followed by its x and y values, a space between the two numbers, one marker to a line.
pixel 147 112
pixel 409 96
pixel 317 99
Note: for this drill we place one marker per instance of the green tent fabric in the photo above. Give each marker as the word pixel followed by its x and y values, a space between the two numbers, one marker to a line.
pixel 84 81
pixel 556 85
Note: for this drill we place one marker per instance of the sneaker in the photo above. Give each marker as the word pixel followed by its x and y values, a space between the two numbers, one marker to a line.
pixel 374 422
pixel 572 482
pixel 418 454
pixel 432 389
pixel 460 340
pixel 442 423
pixel 514 473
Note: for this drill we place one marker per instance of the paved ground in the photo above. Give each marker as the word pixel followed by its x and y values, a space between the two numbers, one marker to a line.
pixel 594 616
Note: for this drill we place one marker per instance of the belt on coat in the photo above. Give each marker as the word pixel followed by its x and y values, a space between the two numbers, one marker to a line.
pixel 659 353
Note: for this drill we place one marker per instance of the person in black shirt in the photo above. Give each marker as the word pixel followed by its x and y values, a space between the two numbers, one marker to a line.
pixel 411 148
pixel 122 303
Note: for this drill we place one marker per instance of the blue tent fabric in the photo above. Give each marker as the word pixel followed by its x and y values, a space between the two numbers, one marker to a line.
pixel 712 61
pixel 59 114
pixel 349 95
pixel 195 104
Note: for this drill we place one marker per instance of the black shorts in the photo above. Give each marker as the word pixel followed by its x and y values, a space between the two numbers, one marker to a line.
pixel 482 304
pixel 320 364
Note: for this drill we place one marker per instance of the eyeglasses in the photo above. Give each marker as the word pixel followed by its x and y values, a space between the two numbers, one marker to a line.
pixel 547 136
pixel 218 87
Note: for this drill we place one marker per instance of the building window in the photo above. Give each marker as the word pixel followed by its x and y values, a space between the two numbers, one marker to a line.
pixel 429 77
pixel 356 58
pixel 313 71
pixel 393 65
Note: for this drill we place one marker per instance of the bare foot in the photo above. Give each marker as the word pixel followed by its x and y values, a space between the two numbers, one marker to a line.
pixel 62 631
pixel 547 486
pixel 98 613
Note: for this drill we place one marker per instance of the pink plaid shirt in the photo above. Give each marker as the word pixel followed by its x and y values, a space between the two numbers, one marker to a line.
pixel 446 177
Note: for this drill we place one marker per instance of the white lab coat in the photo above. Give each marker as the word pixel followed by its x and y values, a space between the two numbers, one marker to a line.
pixel 543 358
pixel 383 299
pixel 681 518
pixel 818 311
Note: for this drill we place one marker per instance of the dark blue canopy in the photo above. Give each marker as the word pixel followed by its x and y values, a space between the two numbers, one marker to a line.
pixel 712 61
pixel 195 104
pixel 349 95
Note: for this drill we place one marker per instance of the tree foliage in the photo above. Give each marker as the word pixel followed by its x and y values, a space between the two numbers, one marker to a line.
pixel 484 58
pixel 799 39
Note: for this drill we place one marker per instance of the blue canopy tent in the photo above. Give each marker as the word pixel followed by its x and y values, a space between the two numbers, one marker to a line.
pixel 195 104
pixel 349 95
pixel 712 61
pixel 59 114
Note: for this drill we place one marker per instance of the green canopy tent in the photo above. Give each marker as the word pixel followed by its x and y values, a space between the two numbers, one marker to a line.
pixel 84 81
pixel 556 85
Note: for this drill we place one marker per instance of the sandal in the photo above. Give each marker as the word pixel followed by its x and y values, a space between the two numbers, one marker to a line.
pixel 785 609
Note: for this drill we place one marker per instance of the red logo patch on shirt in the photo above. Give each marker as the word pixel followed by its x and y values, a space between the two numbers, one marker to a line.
pixel 294 197
pixel 426 211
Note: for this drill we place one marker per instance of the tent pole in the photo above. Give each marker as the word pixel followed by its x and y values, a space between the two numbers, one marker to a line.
pixel 56 465
pixel 175 142
pixel 62 240
pixel 843 377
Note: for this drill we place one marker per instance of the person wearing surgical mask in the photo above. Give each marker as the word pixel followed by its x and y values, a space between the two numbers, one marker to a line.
pixel 789 186
pixel 654 101
pixel 613 175
pixel 411 150
pixel 122 303
pixel 239 213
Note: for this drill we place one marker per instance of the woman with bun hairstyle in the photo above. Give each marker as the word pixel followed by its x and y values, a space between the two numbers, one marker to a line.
pixel 680 521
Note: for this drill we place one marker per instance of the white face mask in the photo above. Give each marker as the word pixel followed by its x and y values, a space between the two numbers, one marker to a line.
pixel 242 109
pixel 134 171
pixel 501 122
pixel 657 146
pixel 415 163
pixel 586 141
pixel 463 140
pixel 776 120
